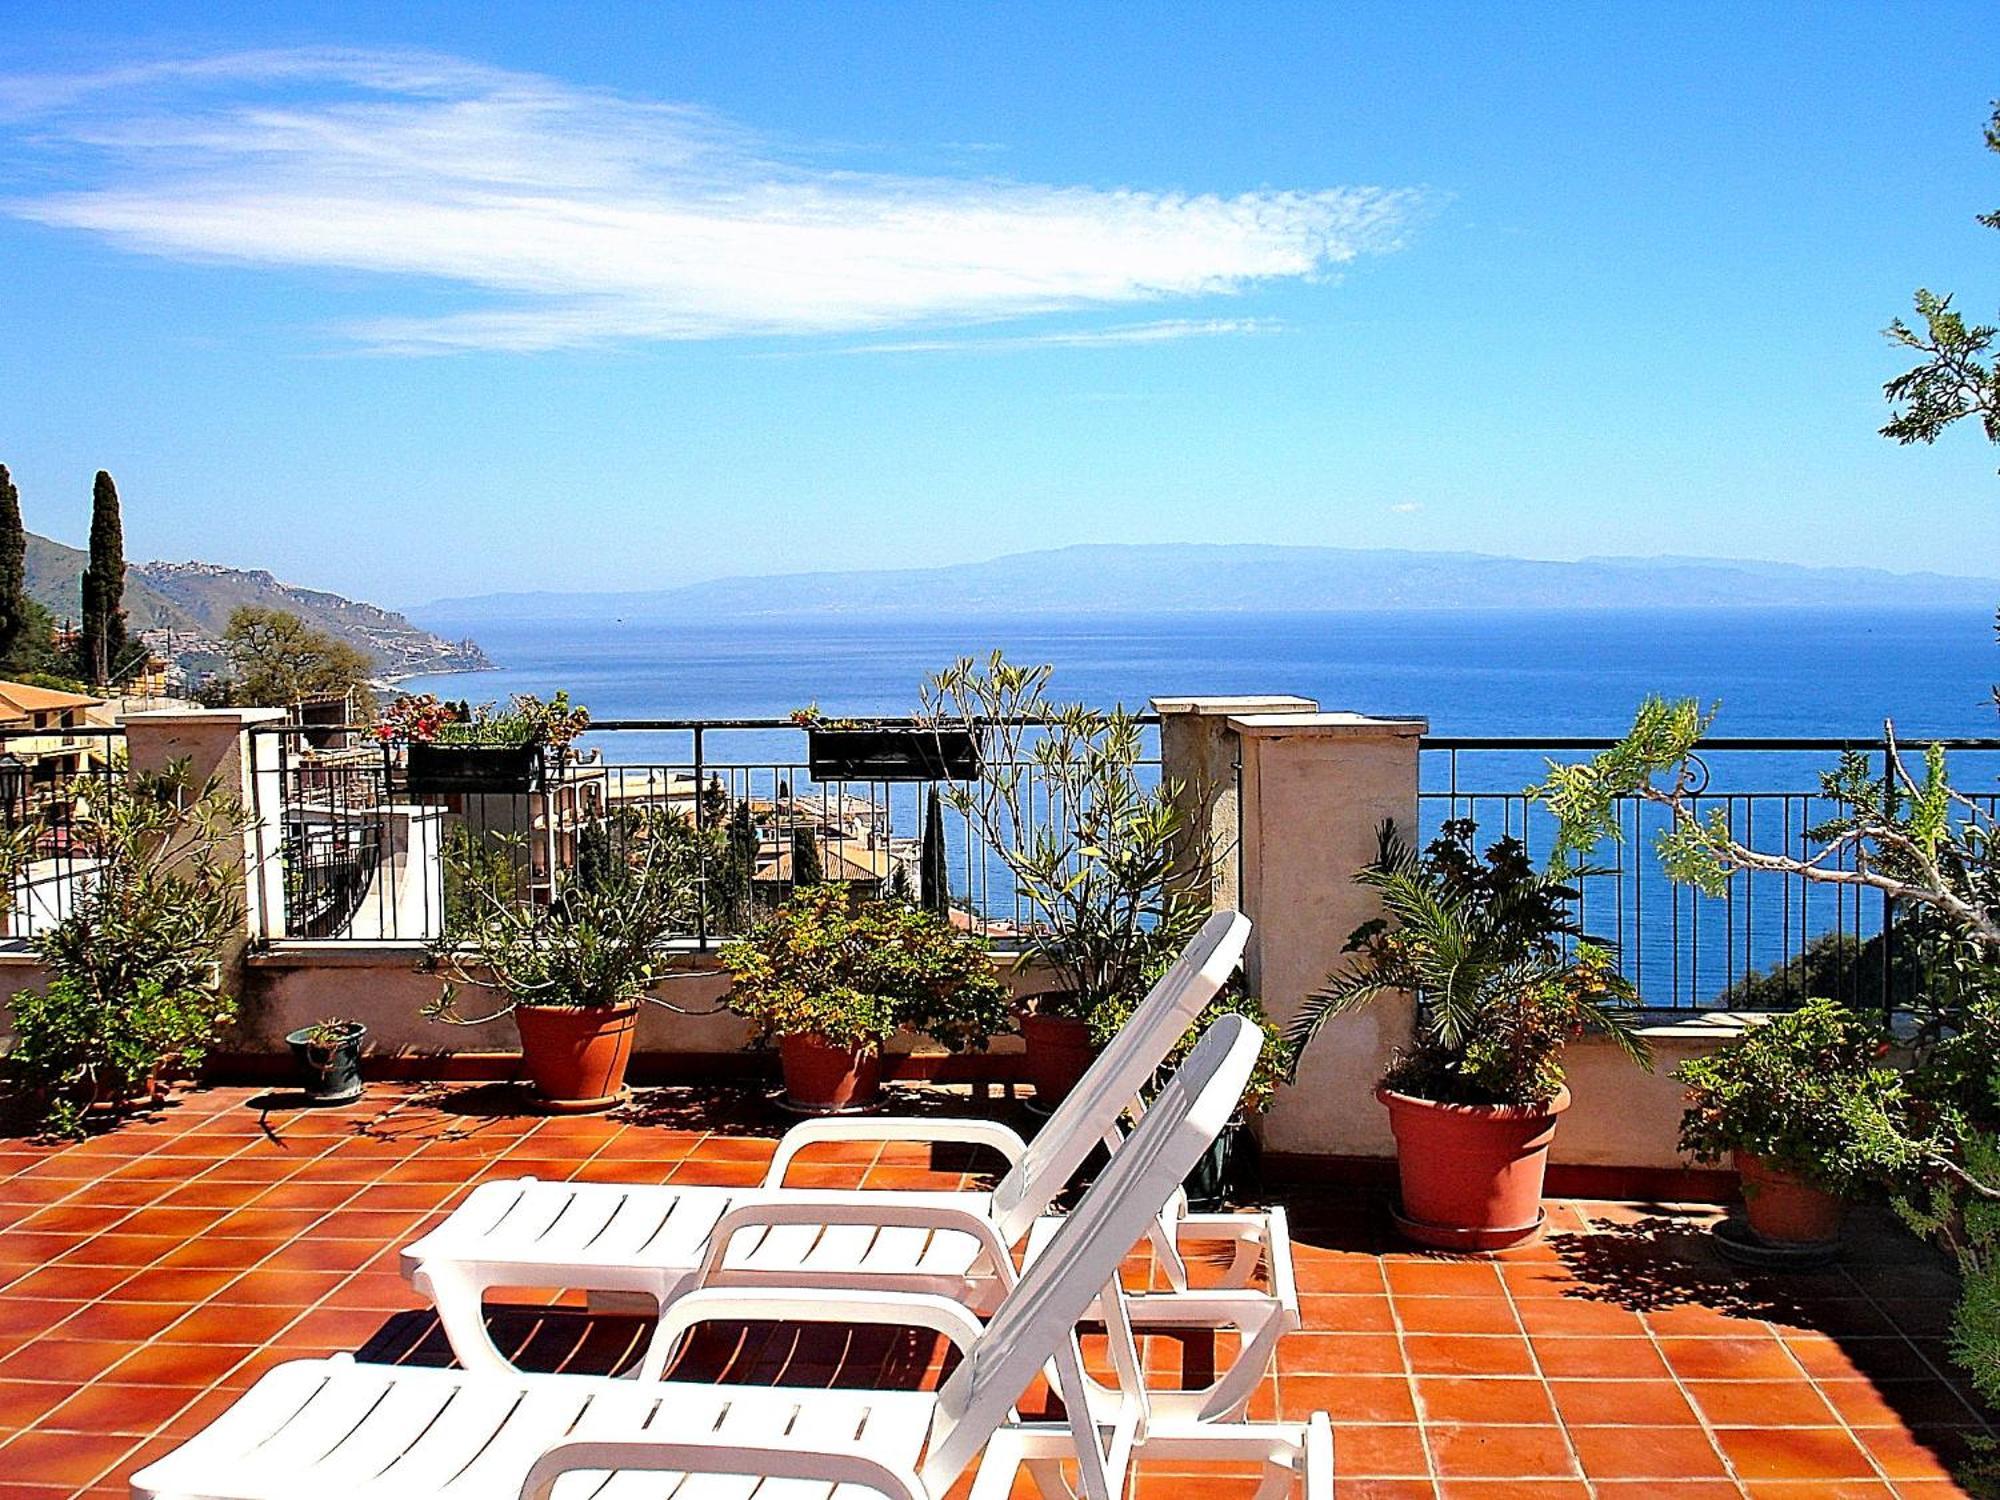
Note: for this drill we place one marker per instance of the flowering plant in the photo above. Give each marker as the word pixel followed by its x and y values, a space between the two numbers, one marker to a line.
pixel 414 717
pixel 527 720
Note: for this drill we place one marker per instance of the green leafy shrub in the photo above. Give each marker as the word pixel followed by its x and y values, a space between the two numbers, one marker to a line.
pixel 1503 978
pixel 1809 1091
pixel 79 1046
pixel 854 972
pixel 595 943
pixel 1274 1061
pixel 1096 843
pixel 135 986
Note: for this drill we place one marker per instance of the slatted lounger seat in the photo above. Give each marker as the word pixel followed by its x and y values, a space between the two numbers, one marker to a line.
pixel 657 1242
pixel 325 1428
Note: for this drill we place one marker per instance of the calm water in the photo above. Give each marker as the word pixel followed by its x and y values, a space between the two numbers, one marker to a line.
pixel 1790 672
pixel 1534 674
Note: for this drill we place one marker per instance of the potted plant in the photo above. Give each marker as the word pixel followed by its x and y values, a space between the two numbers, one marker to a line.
pixel 135 990
pixel 830 979
pixel 1799 1104
pixel 573 971
pixel 1229 1171
pixel 328 1054
pixel 1503 980
pixel 887 750
pixel 453 748
pixel 1096 847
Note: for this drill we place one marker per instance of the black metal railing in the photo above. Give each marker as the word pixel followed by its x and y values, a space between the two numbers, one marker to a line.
pixel 1772 937
pixel 49 778
pixel 368 857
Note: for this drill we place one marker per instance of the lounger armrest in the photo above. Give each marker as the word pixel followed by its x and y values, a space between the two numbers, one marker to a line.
pixel 753 1304
pixel 718 1456
pixel 870 1210
pixel 989 1133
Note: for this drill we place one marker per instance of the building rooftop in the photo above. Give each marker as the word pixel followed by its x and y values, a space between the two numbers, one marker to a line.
pixel 148 1275
pixel 20 699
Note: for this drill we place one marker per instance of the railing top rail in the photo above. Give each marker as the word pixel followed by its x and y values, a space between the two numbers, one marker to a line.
pixel 20 732
pixel 688 725
pixel 1532 743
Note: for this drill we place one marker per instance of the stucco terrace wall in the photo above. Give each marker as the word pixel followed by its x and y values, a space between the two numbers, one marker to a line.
pixel 295 984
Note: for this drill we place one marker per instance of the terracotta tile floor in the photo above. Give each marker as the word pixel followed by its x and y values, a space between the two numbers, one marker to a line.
pixel 151 1273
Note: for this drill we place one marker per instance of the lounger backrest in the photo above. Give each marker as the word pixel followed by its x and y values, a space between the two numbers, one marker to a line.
pixel 1038 1318
pixel 1091 1110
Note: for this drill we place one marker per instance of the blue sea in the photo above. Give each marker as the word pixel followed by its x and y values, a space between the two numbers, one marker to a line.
pixel 1531 674
pixel 1491 673
pixel 1518 672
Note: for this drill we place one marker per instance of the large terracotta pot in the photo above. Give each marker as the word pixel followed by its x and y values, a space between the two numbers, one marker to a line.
pixel 823 1079
pixel 1471 1173
pixel 1783 1210
pixel 1058 1054
pixel 577 1054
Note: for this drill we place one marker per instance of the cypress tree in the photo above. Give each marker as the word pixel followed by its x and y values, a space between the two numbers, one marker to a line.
pixel 13 570
pixel 933 878
pixel 806 868
pixel 101 647
pixel 739 869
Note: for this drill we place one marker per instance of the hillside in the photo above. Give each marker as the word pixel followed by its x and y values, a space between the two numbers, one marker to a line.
pixel 194 600
pixel 1186 579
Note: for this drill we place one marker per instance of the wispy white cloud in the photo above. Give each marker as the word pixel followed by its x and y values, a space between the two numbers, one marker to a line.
pixel 1159 331
pixel 1406 507
pixel 577 216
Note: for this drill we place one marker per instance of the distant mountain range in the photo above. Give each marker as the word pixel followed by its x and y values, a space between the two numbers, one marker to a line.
pixel 194 600
pixel 1194 578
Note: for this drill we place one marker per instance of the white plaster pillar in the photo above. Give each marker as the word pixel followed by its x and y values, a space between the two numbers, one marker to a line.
pixel 1199 754
pixel 1316 787
pixel 219 742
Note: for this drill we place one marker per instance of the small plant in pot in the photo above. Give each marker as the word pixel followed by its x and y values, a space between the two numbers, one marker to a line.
pixel 1102 876
pixel 456 748
pixel 328 1054
pixel 1503 981
pixel 1806 1106
pixel 572 971
pixel 829 979
pixel 1229 1171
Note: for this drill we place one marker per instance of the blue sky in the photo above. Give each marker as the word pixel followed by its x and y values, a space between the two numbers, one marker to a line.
pixel 416 300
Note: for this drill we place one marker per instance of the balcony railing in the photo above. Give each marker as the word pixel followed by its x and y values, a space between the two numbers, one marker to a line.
pixel 1770 938
pixel 350 855
pixel 366 859
pixel 46 778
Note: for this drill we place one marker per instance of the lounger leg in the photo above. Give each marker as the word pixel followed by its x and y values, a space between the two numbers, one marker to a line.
pixel 1169 1255
pixel 461 1308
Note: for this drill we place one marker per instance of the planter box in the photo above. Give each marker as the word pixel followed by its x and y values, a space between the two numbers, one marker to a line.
pixel 444 769
pixel 893 755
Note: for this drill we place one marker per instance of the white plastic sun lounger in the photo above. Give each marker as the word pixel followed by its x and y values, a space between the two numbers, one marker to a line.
pixel 656 1242
pixel 315 1428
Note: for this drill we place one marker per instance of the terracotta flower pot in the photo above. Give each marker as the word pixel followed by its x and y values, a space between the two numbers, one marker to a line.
pixel 1058 1054
pixel 1471 1173
pixel 1782 1209
pixel 823 1079
pixel 577 1054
